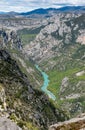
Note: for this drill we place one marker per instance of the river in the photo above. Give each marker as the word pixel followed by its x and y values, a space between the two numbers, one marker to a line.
pixel 45 84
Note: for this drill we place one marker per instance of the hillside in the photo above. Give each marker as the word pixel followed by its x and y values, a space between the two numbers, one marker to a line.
pixel 20 101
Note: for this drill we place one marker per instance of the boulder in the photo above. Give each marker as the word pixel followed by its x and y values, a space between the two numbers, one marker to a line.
pixel 7 124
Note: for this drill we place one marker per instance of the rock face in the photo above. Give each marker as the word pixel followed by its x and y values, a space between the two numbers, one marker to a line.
pixel 64 85
pixel 73 124
pixel 62 30
pixel 10 39
pixel 2 98
pixel 6 124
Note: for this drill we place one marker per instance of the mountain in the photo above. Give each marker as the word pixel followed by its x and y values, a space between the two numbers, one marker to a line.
pixel 40 11
pixel 2 12
pixel 71 8
pixel 13 13
pixel 37 11
pixel 49 11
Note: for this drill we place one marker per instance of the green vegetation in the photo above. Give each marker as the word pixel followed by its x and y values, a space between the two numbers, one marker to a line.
pixel 26 38
pixel 56 78
pixel 22 124
pixel 79 54
pixel 67 65
pixel 28 35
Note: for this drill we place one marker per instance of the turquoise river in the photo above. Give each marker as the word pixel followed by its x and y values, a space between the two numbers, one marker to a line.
pixel 45 84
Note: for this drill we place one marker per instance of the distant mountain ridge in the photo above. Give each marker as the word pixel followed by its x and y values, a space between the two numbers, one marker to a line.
pixel 72 8
pixel 48 10
pixel 39 11
pixel 2 12
pixel 42 11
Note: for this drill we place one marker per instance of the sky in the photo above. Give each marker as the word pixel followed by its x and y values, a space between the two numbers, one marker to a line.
pixel 28 5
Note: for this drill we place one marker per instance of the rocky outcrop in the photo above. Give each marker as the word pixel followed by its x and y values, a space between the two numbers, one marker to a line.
pixel 73 124
pixel 64 85
pixel 10 39
pixel 2 98
pixel 7 124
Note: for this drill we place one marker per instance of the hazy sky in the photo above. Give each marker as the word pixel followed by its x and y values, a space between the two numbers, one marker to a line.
pixel 27 5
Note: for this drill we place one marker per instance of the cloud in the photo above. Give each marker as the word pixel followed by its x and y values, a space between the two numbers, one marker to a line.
pixel 27 5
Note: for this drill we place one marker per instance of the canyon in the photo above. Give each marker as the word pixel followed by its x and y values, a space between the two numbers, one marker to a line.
pixel 42 70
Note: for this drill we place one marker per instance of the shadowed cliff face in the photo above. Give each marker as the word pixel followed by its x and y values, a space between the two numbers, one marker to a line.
pixel 22 102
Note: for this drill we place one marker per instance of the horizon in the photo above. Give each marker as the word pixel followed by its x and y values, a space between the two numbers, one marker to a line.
pixel 41 8
pixel 29 5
